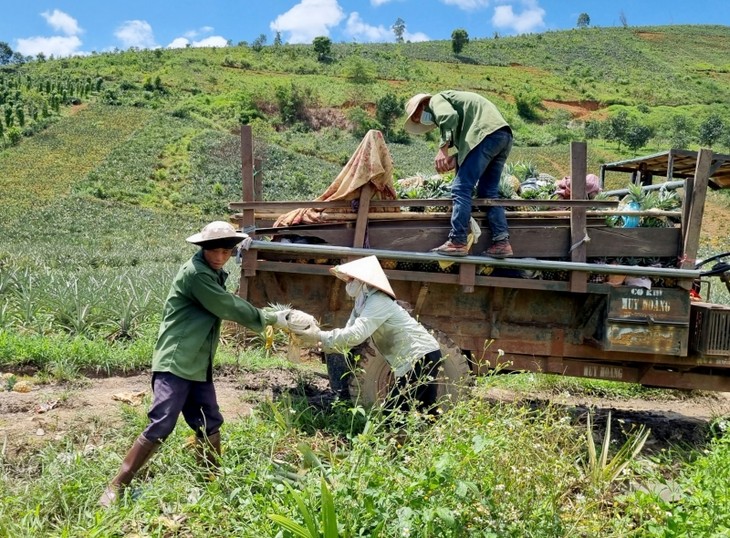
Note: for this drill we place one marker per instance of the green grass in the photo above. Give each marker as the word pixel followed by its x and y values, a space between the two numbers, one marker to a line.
pixel 480 470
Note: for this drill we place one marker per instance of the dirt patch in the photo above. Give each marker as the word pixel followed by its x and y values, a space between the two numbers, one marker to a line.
pixel 684 422
pixel 92 408
pixel 577 109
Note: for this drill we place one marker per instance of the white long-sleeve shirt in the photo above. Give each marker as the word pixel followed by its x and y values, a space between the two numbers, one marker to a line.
pixel 397 336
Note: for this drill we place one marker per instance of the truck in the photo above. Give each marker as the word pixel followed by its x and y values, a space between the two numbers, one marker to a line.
pixel 580 297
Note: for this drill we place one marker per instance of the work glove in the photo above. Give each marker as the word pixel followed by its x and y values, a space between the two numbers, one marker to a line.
pixel 281 319
pixel 308 337
pixel 299 321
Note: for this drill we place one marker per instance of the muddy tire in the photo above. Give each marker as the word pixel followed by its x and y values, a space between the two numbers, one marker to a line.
pixel 370 376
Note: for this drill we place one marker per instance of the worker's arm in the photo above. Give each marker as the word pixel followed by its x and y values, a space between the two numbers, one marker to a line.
pixel 447 119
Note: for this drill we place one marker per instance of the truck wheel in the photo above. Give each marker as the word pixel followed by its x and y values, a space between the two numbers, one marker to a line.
pixel 372 376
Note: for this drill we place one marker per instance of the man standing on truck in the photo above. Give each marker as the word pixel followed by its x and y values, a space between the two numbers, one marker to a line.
pixel 482 138
pixel 182 362
pixel 411 351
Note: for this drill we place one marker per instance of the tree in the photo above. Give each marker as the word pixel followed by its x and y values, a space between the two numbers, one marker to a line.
pixel 637 136
pixel 399 28
pixel 592 129
pixel 259 42
pixel 584 21
pixel 616 127
pixel 459 39
pixel 277 39
pixel 711 130
pixel 388 109
pixel 5 53
pixel 323 48
pixel 623 19
pixel 680 132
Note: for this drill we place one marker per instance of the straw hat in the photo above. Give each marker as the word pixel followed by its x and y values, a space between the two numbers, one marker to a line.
pixel 366 270
pixel 411 107
pixel 216 231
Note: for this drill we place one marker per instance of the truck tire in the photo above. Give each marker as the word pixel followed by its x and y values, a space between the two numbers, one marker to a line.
pixel 370 376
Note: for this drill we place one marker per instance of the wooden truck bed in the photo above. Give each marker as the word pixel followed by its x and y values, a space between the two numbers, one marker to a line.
pixel 554 308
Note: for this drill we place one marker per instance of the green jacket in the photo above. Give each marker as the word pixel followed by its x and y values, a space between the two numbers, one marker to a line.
pixel 464 119
pixel 191 320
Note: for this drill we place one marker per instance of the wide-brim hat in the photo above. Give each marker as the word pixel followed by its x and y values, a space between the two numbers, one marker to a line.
pixel 411 107
pixel 217 230
pixel 367 270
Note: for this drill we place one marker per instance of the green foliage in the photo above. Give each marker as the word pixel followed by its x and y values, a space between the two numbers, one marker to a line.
pixel 387 110
pixel 399 28
pixel 359 70
pixel 711 130
pixel 361 121
pixel 601 468
pixel 459 39
pixel 292 101
pixel 527 104
pixel 322 46
pixel 584 21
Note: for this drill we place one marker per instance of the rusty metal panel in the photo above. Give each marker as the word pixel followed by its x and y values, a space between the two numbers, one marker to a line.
pixel 635 338
pixel 643 320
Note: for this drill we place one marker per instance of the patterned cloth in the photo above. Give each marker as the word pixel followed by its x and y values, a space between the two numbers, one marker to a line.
pixel 371 163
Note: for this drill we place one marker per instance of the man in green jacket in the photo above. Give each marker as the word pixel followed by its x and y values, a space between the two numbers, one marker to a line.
pixel 182 362
pixel 482 138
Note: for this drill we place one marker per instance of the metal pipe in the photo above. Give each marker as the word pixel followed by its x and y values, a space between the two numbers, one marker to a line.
pixel 670 185
pixel 518 263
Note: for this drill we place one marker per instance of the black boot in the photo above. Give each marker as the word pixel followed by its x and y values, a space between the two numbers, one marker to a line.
pixel 138 455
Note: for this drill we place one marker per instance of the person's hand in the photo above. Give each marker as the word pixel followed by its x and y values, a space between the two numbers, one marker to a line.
pixel 281 320
pixel 309 336
pixel 443 161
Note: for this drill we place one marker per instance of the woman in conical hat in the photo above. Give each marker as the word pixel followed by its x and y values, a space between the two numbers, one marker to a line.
pixel 411 351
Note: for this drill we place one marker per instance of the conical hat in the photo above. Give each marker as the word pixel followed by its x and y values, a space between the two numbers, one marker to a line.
pixel 366 270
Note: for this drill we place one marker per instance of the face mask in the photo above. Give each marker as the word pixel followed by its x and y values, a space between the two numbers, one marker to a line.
pixel 352 288
pixel 426 118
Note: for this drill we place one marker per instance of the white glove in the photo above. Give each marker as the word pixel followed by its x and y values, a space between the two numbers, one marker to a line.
pixel 281 319
pixel 309 336
pixel 299 321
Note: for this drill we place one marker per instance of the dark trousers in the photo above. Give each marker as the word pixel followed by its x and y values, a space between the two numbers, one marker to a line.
pixel 172 395
pixel 415 387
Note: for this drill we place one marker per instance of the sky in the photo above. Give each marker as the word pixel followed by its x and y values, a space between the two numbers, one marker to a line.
pixel 79 27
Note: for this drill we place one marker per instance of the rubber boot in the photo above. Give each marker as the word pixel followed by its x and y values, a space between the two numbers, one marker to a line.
pixel 208 451
pixel 138 455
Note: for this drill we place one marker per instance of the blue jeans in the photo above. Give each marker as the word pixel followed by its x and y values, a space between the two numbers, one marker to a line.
pixel 481 168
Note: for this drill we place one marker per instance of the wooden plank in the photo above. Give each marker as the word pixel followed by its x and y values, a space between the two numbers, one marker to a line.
pixel 527 242
pixel 416 215
pixel 578 229
pixel 248 264
pixel 691 237
pixel 361 224
pixel 284 206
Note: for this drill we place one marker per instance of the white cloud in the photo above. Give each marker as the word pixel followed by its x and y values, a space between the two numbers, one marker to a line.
pixel 377 3
pixel 308 19
pixel 359 29
pixel 467 5
pixel 56 46
pixel 192 34
pixel 136 34
pixel 62 22
pixel 415 37
pixel 530 19
pixel 212 41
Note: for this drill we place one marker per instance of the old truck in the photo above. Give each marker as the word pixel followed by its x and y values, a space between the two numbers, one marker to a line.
pixel 580 297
